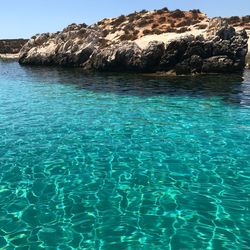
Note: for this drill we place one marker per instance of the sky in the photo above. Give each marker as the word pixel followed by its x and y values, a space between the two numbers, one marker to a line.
pixel 22 19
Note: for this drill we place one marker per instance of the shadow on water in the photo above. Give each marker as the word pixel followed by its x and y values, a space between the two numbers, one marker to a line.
pixel 233 88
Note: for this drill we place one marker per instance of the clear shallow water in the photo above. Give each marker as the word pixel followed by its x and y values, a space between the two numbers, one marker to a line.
pixel 123 162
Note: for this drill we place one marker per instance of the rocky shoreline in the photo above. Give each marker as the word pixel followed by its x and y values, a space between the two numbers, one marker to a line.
pixel 11 46
pixel 161 41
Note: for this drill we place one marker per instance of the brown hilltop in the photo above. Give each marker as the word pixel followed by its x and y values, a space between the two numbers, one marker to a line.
pixel 237 21
pixel 139 24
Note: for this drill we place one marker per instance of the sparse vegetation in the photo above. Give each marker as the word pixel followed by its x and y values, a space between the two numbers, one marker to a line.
pixel 171 22
pixel 101 23
pixel 105 32
pixel 169 29
pixel 143 22
pixel 162 19
pixel 103 43
pixel 162 11
pixel 182 30
pixel 146 32
pixel 196 11
pixel 119 20
pixel 155 25
pixel 156 31
pixel 185 22
pixel 82 32
pixel 126 31
pixel 201 26
pixel 233 19
pixel 113 30
pixel 143 11
pixel 136 32
pixel 177 14
pixel 131 18
pixel 129 27
pixel 195 22
pixel 80 42
pixel 246 19
pixel 127 37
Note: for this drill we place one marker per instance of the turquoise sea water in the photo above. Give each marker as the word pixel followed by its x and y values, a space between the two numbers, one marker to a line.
pixel 109 161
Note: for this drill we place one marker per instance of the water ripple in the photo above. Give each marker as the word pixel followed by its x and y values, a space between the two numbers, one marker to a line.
pixel 90 161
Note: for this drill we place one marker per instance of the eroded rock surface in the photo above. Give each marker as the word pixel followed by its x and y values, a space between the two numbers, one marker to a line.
pixel 177 41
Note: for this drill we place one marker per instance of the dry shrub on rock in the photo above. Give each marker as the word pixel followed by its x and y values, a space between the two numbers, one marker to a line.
pixel 162 19
pixel 119 20
pixel 177 14
pixel 147 32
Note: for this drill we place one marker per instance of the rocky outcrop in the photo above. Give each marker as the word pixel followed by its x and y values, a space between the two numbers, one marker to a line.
pixel 130 43
pixel 239 23
pixel 71 47
pixel 11 46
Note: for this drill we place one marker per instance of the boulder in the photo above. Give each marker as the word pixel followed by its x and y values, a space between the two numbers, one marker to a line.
pixel 173 54
pixel 151 56
pixel 218 64
pixel 183 68
pixel 125 57
pixel 226 32
pixel 128 57
pixel 196 63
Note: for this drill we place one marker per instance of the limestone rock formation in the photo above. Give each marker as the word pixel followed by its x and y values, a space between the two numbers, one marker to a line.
pixel 71 47
pixel 239 23
pixel 170 41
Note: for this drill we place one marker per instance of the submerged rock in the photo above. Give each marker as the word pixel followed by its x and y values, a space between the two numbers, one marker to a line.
pixel 219 48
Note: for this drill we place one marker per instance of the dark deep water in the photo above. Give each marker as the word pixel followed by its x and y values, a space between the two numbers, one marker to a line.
pixel 109 161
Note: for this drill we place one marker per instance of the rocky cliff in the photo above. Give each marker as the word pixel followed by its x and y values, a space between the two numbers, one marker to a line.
pixel 11 46
pixel 239 23
pixel 181 42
